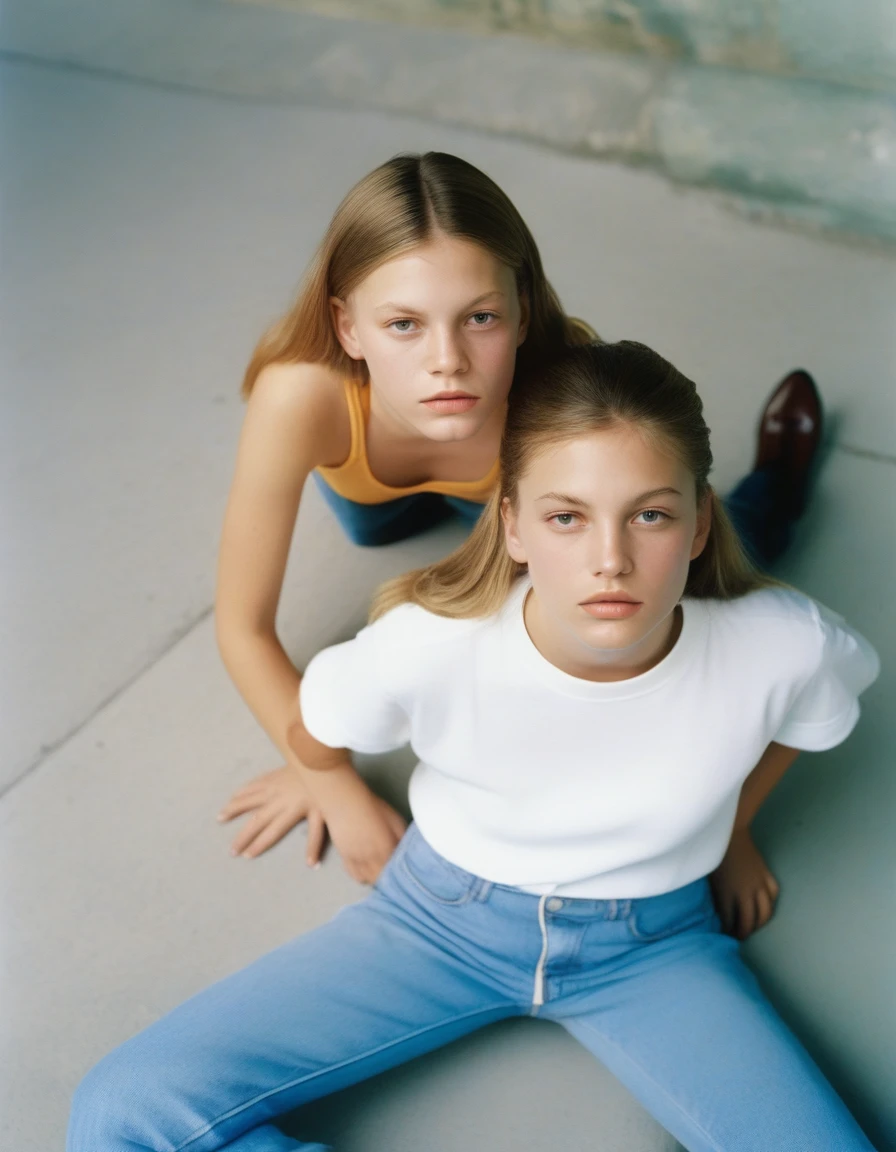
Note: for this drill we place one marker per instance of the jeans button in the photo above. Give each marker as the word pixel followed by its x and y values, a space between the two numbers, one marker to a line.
pixel 554 904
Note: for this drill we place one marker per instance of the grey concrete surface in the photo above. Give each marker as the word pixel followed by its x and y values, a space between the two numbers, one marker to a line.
pixel 146 238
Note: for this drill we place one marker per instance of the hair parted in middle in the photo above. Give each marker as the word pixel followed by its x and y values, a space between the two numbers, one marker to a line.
pixel 404 203
pixel 587 389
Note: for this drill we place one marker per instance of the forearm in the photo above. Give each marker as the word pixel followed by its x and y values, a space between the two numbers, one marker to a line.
pixel 775 761
pixel 268 682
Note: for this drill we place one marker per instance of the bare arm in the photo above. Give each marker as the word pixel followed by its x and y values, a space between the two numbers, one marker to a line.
pixel 364 827
pixel 744 888
pixel 295 420
pixel 774 762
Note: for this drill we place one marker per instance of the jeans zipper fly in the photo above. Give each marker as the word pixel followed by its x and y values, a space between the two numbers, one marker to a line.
pixel 538 991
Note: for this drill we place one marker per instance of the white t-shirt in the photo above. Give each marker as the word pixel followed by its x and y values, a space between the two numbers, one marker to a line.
pixel 531 777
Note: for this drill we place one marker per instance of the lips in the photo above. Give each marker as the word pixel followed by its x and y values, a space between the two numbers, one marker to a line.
pixel 611 606
pixel 451 403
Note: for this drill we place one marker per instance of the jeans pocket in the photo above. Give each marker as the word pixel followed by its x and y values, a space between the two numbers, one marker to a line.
pixel 659 917
pixel 438 878
pixel 386 877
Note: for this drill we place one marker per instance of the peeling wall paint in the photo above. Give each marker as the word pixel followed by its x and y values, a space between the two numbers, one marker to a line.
pixel 801 149
pixel 852 43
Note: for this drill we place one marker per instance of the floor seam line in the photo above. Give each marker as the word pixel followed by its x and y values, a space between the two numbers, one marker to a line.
pixel 866 453
pixel 47 750
pixel 15 56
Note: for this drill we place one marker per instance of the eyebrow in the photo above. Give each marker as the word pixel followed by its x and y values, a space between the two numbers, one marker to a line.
pixel 565 498
pixel 394 306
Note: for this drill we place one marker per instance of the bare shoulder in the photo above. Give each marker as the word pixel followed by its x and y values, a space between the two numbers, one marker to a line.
pixel 303 408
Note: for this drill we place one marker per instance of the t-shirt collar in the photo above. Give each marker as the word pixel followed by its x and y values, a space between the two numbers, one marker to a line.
pixel 662 673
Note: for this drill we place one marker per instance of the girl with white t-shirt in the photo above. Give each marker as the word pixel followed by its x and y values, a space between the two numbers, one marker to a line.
pixel 601 692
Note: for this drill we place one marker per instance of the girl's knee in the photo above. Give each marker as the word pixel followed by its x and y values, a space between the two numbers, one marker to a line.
pixel 363 536
pixel 117 1107
pixel 92 1122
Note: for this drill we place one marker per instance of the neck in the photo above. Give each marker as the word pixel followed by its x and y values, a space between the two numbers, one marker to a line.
pixel 600 665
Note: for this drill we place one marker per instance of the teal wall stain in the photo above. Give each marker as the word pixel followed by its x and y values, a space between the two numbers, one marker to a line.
pixel 788 102
pixel 820 153
pixel 845 41
pixel 854 43
pixel 695 29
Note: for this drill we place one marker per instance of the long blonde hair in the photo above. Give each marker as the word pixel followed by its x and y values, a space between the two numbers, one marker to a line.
pixel 586 389
pixel 397 207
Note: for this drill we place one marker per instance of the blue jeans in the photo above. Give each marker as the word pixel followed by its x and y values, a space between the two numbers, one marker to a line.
pixel 758 510
pixel 650 986
pixel 373 525
pixel 755 507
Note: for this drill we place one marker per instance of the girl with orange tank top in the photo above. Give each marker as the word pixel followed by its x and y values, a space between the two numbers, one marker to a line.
pixel 388 382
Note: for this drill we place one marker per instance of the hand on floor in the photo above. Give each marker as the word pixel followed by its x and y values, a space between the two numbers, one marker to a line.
pixel 744 889
pixel 365 830
pixel 275 803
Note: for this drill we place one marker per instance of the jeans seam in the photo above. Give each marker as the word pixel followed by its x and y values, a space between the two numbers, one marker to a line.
pixel 193 1137
pixel 705 911
pixel 466 898
pixel 671 1099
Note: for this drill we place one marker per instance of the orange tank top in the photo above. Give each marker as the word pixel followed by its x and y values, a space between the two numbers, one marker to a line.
pixel 354 481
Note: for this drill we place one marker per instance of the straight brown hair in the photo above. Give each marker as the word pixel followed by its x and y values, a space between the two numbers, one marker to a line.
pixel 402 204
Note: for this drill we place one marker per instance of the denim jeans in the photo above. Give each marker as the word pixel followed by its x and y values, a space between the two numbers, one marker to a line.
pixel 650 986
pixel 758 508
pixel 373 525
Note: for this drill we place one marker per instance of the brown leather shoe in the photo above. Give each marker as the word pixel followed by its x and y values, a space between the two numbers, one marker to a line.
pixel 790 430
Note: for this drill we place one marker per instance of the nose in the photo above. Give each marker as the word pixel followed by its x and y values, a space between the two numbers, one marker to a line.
pixel 609 553
pixel 447 355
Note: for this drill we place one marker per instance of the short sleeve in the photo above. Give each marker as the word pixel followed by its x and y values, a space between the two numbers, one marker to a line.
pixel 345 700
pixel 827 708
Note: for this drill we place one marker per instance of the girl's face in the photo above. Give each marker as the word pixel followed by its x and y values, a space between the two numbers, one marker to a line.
pixel 607 524
pixel 439 328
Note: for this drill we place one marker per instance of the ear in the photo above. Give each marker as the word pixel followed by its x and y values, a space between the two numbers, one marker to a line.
pixel 525 314
pixel 704 523
pixel 512 542
pixel 344 327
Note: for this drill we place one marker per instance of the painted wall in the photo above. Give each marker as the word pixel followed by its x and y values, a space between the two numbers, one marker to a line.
pixel 848 43
pixel 789 105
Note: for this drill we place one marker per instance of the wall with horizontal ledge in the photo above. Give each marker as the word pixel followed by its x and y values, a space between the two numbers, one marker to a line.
pixel 848 43
pixel 787 106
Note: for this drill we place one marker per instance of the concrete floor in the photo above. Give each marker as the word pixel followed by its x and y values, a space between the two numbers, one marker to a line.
pixel 147 238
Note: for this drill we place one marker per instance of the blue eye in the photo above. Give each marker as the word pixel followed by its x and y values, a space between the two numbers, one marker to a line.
pixel 397 325
pixel 652 516
pixel 564 519
pixel 482 318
